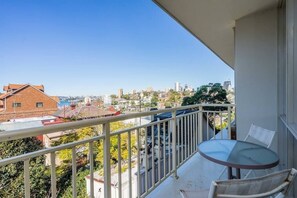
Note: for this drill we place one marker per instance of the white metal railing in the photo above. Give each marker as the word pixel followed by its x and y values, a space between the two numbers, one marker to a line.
pixel 162 146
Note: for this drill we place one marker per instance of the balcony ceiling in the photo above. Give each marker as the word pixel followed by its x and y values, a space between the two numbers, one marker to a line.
pixel 212 21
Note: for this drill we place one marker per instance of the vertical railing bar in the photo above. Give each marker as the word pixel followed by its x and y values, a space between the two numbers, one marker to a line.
pixel 174 163
pixel 107 168
pixel 146 161
pixel 207 126
pixel 27 178
pixel 159 152
pixel 221 123
pixel 197 130
pixel 153 155
pixel 129 163
pixel 138 164
pixel 214 125
pixel 178 141
pixel 229 122
pixel 169 147
pixel 73 152
pixel 190 142
pixel 200 123
pixel 182 137
pixel 164 149
pixel 53 175
pixel 188 134
pixel 91 157
pixel 119 166
pixel 191 132
pixel 194 132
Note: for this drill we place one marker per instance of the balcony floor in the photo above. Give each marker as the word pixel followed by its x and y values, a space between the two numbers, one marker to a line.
pixel 195 175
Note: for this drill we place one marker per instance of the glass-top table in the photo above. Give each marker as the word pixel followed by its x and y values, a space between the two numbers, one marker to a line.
pixel 238 154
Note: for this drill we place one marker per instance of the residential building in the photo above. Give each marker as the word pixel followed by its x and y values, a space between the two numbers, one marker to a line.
pixel 177 86
pixel 75 112
pixel 107 100
pixel 25 100
pixel 87 100
pixel 120 93
pixel 227 85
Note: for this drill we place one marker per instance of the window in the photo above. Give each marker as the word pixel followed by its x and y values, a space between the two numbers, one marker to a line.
pixel 16 104
pixel 39 104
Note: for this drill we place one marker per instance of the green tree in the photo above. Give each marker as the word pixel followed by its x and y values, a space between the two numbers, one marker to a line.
pixel 126 96
pixel 214 94
pixel 64 170
pixel 12 175
pixel 115 126
pixel 76 135
pixel 113 96
pixel 81 187
pixel 173 98
pixel 154 100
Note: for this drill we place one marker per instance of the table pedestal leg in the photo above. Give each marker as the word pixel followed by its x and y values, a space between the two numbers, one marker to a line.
pixel 238 173
pixel 230 172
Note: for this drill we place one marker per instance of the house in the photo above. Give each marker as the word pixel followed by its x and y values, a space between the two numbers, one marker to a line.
pixel 25 100
pixel 83 112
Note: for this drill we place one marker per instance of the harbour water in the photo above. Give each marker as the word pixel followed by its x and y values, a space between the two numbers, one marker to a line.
pixel 63 103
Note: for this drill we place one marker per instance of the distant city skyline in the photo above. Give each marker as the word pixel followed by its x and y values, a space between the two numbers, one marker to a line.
pixel 96 47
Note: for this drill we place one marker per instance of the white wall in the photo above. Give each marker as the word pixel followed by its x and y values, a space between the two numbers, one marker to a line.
pixel 256 72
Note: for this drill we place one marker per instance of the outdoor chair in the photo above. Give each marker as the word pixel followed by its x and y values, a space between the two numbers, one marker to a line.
pixel 277 184
pixel 256 135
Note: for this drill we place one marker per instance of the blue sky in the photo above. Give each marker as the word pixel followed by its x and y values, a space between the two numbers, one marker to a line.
pixel 91 47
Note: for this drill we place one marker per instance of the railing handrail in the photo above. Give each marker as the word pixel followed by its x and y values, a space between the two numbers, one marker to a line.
pixel 48 150
pixel 31 132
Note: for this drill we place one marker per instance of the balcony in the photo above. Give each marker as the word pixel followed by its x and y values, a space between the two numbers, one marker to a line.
pixel 157 153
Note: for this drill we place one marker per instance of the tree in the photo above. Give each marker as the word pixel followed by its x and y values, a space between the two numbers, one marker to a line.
pixel 207 94
pixel 76 135
pixel 214 94
pixel 154 100
pixel 64 171
pixel 12 175
pixel 173 98
pixel 126 96
pixel 113 96
pixel 115 126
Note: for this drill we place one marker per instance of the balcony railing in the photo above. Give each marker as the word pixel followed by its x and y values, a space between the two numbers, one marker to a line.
pixel 161 147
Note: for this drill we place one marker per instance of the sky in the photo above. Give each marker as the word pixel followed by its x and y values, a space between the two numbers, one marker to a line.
pixel 95 47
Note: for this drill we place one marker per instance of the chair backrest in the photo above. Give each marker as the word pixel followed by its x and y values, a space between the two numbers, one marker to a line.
pixel 272 184
pixel 262 135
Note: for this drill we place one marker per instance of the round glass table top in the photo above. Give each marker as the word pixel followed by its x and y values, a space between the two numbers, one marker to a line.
pixel 238 154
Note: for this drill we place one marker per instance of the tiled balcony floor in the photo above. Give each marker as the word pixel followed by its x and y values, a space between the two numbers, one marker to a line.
pixel 195 175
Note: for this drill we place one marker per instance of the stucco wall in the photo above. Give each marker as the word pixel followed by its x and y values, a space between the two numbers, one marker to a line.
pixel 256 72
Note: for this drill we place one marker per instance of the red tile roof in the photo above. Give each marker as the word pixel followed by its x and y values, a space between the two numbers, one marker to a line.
pixel 83 112
pixel 4 95
pixel 18 86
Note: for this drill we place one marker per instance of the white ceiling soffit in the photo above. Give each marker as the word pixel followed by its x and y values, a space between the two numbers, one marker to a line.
pixel 212 21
